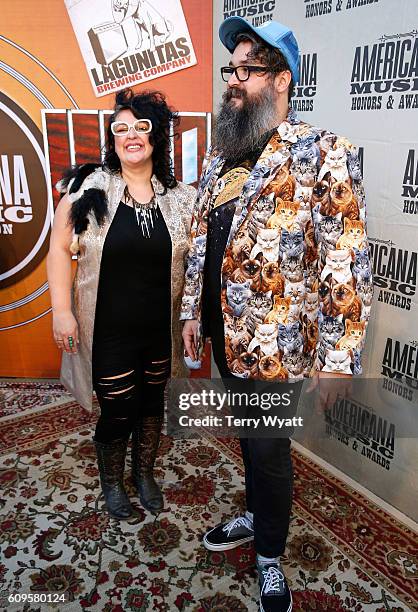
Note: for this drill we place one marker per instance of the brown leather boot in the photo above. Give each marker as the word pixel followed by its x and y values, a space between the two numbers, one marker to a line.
pixel 145 442
pixel 111 462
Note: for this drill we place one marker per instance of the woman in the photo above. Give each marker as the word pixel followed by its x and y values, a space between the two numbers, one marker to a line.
pixel 128 221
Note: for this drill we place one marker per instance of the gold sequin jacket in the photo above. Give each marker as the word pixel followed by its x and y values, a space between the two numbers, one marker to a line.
pixel 176 207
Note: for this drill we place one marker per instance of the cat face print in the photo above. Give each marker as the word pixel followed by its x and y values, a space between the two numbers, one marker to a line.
pixel 331 329
pixel 365 291
pixel 291 243
pixel 285 216
pixel 320 192
pixel 305 171
pixel 296 292
pixel 271 368
pixel 338 265
pixel 354 235
pixel 337 361
pixel 237 295
pixel 260 303
pixel 343 294
pixel 294 362
pixel 335 163
pixel 248 270
pixel 362 269
pixel 280 311
pixel 306 149
pixel 234 327
pixel 292 268
pixel 303 195
pixel 268 242
pixel 265 336
pixel 200 243
pixel 354 167
pixel 355 330
pixel 311 302
pixel 289 337
pixel 341 194
pixel 265 332
pixel 329 229
pixel 251 267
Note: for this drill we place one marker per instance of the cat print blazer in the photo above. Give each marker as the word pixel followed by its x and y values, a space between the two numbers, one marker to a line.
pixel 296 274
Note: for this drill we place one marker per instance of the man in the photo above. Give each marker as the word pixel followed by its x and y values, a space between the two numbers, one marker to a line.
pixel 275 266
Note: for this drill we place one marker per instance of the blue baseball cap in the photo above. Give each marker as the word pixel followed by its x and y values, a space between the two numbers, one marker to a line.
pixel 274 33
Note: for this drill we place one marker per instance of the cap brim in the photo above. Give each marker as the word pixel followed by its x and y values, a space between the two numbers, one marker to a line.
pixel 229 29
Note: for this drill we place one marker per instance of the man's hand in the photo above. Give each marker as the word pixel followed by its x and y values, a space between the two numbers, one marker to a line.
pixel 190 331
pixel 329 386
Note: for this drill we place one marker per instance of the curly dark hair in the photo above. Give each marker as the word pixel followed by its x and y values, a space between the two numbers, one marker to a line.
pixel 267 55
pixel 146 105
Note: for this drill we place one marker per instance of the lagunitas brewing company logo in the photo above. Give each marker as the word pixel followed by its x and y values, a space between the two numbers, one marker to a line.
pixel 400 368
pixel 255 12
pixel 305 90
pixel 357 426
pixel 130 41
pixel 394 273
pixel 385 74
pixel 24 214
pixel 410 184
pixel 315 8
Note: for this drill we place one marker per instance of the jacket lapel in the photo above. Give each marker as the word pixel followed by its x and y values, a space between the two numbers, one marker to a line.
pixel 264 171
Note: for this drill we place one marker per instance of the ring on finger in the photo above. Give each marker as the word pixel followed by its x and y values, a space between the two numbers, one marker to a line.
pixel 70 341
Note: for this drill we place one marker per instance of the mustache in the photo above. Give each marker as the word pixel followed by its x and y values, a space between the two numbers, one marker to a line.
pixel 234 92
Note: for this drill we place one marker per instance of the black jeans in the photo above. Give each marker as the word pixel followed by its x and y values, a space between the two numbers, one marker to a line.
pixel 267 464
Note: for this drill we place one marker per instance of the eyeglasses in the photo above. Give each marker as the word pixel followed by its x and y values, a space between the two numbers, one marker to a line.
pixel 242 72
pixel 121 128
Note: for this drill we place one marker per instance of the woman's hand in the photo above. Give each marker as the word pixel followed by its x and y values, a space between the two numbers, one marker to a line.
pixel 190 331
pixel 64 327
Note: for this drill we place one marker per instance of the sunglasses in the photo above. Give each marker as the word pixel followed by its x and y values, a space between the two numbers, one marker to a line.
pixel 140 126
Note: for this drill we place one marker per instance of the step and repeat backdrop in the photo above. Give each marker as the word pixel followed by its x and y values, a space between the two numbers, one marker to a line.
pixel 359 78
pixel 61 63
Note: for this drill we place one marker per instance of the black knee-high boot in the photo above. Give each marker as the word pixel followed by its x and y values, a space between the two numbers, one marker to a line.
pixel 111 462
pixel 145 442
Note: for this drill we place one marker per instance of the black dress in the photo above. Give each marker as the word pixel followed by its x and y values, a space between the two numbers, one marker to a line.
pixel 133 311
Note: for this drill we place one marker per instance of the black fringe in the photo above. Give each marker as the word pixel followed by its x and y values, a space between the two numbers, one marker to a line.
pixel 93 200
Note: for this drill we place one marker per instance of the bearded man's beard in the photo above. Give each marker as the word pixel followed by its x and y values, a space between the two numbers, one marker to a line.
pixel 239 131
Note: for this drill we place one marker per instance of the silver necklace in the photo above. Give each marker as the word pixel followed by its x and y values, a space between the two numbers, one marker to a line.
pixel 146 212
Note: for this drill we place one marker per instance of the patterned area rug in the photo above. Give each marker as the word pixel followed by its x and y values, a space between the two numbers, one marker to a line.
pixel 21 397
pixel 344 554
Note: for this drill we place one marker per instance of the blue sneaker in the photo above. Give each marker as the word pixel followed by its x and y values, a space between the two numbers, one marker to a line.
pixel 275 595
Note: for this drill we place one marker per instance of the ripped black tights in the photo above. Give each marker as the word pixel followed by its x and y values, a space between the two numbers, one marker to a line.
pixel 127 393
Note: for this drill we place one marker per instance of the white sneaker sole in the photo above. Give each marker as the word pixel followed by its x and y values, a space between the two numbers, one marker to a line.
pixel 290 608
pixel 220 547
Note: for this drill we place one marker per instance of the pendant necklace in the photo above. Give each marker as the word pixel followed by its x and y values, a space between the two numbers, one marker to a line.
pixel 146 212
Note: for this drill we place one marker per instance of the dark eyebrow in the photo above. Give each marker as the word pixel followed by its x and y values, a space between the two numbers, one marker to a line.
pixel 243 63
